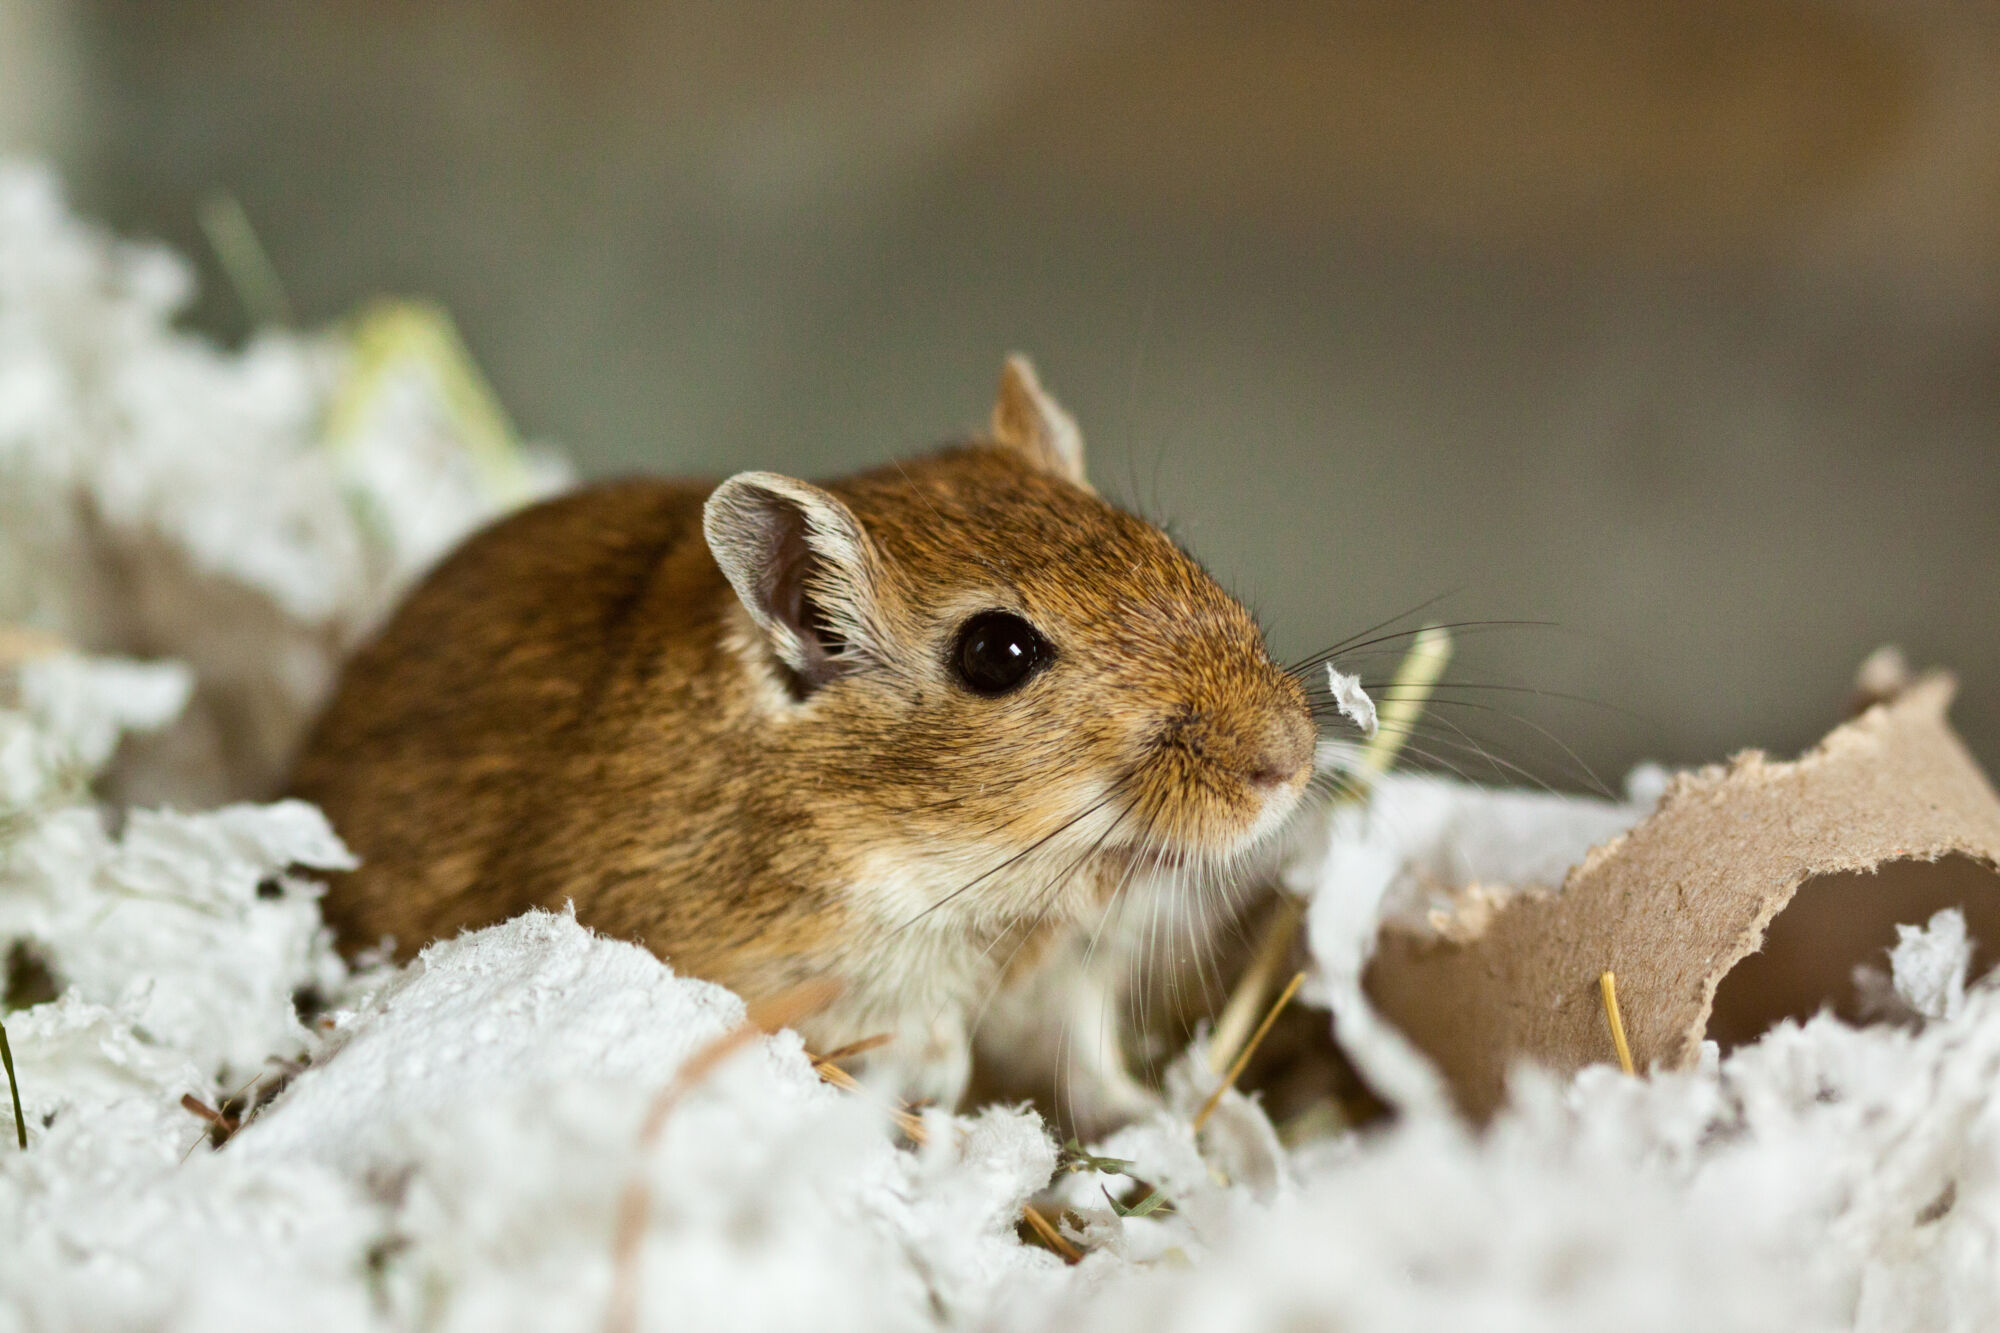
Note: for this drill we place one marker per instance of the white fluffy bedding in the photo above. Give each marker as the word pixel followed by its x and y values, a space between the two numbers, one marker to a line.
pixel 469 1145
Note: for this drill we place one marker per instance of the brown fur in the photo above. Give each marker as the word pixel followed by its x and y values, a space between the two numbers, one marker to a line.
pixel 576 707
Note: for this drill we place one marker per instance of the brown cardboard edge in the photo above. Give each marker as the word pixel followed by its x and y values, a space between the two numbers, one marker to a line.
pixel 1675 903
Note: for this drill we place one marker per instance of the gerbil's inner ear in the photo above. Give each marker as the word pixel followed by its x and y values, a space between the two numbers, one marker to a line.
pixel 804 569
pixel 1027 419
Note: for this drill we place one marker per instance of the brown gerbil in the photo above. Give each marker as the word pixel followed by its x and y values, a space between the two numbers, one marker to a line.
pixel 892 731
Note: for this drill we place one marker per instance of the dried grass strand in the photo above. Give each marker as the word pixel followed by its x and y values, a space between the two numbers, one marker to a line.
pixel 13 1090
pixel 906 1119
pixel 853 1048
pixel 1051 1237
pixel 1249 1049
pixel 1246 1002
pixel 1607 985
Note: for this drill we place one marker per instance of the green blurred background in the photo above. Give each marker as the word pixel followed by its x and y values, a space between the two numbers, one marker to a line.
pixel 1678 325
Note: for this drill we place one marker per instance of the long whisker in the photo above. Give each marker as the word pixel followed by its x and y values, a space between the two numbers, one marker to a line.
pixel 1339 781
pixel 1579 767
pixel 1031 848
pixel 1065 1089
pixel 1196 886
pixel 1590 775
pixel 1381 690
pixel 1569 753
pixel 1418 609
pixel 1470 747
pixel 1321 658
pixel 1444 762
pixel 1047 898
pixel 1051 890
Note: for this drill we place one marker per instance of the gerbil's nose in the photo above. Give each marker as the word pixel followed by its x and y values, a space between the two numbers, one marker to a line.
pixel 1286 754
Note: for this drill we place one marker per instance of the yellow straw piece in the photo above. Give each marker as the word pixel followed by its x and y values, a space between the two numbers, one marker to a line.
pixel 1249 1049
pixel 1239 1016
pixel 1416 677
pixel 1054 1239
pixel 245 261
pixel 412 335
pixel 1609 985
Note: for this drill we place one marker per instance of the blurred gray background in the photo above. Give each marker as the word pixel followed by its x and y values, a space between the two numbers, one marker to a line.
pixel 1677 325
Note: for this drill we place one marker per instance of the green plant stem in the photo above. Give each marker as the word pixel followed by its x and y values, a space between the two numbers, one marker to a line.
pixel 13 1089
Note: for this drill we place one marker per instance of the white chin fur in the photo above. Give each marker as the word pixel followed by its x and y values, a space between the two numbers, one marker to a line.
pixel 1278 807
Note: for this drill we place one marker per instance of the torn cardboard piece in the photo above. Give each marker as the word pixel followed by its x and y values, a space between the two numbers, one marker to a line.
pixel 1887 821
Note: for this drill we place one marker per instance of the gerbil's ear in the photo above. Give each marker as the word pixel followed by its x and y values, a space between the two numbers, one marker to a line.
pixel 804 569
pixel 1027 419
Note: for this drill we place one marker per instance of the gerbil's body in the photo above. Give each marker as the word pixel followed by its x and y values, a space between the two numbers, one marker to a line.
pixel 891 732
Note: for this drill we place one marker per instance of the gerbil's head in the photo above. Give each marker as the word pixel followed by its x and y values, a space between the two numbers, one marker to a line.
pixel 976 661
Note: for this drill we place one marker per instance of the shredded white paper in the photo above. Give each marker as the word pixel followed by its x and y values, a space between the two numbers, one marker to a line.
pixel 155 490
pixel 1352 701
pixel 467 1139
pixel 1928 965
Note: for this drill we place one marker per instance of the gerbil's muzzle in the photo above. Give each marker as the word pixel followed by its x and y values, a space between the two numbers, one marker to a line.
pixel 1238 762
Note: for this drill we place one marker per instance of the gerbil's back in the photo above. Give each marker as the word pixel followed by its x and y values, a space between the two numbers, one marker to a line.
pixel 449 721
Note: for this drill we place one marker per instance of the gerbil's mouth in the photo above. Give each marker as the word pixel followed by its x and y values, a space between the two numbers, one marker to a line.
pixel 1209 835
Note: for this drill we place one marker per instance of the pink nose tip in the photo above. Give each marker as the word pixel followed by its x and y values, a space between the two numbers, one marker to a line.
pixel 1270 775
pixel 1286 756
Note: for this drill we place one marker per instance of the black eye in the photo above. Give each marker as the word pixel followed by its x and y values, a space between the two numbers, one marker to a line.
pixel 997 650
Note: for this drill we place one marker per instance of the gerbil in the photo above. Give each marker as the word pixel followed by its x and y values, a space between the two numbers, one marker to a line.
pixel 892 731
